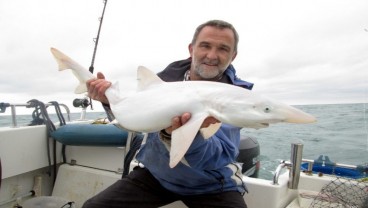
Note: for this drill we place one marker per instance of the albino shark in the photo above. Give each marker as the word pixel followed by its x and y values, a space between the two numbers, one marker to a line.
pixel 156 102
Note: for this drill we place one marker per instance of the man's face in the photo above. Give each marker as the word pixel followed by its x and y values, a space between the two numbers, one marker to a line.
pixel 212 53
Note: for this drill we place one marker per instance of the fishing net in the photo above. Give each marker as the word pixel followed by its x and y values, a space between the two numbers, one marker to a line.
pixel 343 193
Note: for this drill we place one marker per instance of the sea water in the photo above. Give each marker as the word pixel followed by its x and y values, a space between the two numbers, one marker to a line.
pixel 340 133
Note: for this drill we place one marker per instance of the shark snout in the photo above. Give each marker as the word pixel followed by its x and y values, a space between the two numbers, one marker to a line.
pixel 294 115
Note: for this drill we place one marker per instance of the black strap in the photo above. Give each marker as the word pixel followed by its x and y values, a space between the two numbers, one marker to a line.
pixel 40 114
pixel 1 171
pixel 134 147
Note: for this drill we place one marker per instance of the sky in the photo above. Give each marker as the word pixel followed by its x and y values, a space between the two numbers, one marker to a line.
pixel 297 52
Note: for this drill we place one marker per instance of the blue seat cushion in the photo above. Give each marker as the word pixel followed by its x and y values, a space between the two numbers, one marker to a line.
pixel 91 135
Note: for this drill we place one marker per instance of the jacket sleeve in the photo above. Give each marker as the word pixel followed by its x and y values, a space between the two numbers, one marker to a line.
pixel 215 152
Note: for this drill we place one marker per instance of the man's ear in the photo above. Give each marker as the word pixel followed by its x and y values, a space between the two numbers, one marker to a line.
pixel 234 56
pixel 190 48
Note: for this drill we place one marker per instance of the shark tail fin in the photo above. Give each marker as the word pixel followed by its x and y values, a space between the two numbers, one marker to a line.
pixel 81 88
pixel 61 59
pixel 82 74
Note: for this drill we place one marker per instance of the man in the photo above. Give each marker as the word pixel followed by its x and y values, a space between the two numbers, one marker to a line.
pixel 208 175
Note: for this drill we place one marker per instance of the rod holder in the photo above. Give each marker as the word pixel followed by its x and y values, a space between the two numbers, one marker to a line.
pixel 296 161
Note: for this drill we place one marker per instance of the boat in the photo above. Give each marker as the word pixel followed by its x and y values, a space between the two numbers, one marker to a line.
pixel 62 164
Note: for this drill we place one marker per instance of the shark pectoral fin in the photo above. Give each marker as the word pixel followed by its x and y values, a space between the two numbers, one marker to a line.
pixel 182 138
pixel 210 131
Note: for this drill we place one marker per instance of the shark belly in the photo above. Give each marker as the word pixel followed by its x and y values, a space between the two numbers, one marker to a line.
pixel 152 110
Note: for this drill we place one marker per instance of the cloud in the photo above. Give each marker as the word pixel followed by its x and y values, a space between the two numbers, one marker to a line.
pixel 298 52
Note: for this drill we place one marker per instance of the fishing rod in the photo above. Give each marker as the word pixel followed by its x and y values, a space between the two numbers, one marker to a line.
pixel 91 68
pixel 84 102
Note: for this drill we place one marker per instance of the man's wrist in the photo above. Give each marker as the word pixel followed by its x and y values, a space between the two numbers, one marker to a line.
pixel 164 135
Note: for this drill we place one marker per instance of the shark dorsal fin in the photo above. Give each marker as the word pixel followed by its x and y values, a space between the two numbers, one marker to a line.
pixel 146 78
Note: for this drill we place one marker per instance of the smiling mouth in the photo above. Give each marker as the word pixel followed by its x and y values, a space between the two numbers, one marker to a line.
pixel 210 65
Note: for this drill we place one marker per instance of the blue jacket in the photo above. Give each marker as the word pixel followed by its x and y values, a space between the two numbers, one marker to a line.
pixel 211 164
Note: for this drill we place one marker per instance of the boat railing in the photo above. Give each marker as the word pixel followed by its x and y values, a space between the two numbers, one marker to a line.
pixel 283 164
pixel 294 166
pixel 13 107
pixel 312 162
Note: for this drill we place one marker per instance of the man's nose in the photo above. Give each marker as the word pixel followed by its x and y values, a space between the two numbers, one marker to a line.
pixel 212 54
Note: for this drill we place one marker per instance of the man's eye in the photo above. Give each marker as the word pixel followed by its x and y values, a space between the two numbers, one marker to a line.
pixel 224 49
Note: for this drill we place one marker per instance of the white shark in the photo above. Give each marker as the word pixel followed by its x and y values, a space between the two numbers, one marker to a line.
pixel 156 102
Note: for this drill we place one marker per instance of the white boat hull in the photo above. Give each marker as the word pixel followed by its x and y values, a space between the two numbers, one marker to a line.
pixel 24 157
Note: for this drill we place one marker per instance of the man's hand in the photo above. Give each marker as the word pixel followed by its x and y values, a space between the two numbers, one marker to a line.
pixel 97 88
pixel 178 121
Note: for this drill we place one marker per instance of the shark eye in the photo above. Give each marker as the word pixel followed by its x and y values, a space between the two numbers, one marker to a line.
pixel 267 109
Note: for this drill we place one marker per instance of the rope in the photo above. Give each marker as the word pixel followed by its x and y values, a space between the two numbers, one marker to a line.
pixel 40 115
pixel 62 123
pixel 3 107
pixel 58 112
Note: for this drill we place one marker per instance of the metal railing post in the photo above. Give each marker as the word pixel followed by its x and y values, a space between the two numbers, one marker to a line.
pixel 296 161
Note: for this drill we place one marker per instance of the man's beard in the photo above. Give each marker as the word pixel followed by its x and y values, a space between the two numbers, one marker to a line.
pixel 209 74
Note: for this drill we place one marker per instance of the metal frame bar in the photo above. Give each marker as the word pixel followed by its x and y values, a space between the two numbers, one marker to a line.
pixel 14 113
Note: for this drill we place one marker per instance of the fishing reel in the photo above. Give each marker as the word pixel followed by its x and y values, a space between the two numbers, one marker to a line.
pixel 81 102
